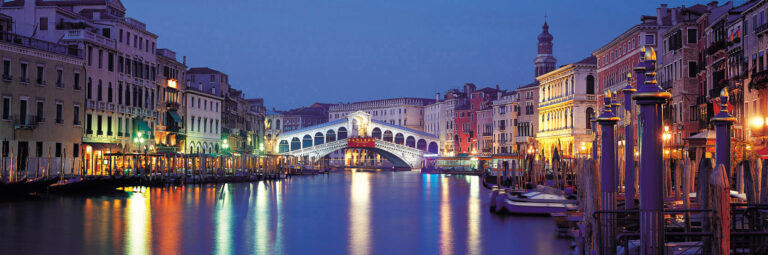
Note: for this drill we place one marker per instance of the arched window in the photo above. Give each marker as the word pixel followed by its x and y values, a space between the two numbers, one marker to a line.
pixel 590 115
pixel 410 142
pixel 295 144
pixel 421 145
pixel 319 139
pixel 590 84
pixel 376 133
pixel 342 133
pixel 388 136
pixel 306 141
pixel 330 136
pixel 283 146
pixel 399 138
pixel 433 147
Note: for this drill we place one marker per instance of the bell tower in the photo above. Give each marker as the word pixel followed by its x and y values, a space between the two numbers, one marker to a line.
pixel 544 62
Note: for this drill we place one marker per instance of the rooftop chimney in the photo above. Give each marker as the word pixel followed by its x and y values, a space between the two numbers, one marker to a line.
pixel 660 13
pixel 437 97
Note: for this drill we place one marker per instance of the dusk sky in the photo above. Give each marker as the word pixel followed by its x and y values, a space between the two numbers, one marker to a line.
pixel 296 52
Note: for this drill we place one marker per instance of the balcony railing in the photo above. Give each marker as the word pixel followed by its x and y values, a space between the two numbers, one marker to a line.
pixel 41 45
pixel 25 121
pixel 82 34
pixel 7 77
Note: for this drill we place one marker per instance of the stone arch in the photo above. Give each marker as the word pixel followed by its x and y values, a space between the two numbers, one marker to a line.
pixel 410 141
pixel 421 145
pixel 590 84
pixel 283 147
pixel 376 133
pixel 399 138
pixel 306 141
pixel 319 138
pixel 388 136
pixel 295 144
pixel 330 136
pixel 432 148
pixel 342 133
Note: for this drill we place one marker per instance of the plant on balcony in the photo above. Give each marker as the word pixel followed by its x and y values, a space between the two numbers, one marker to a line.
pixel 759 80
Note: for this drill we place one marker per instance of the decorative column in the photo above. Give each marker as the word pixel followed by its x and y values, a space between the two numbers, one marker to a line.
pixel 608 172
pixel 723 121
pixel 650 97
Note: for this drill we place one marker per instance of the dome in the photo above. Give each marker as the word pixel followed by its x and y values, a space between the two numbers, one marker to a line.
pixel 545 36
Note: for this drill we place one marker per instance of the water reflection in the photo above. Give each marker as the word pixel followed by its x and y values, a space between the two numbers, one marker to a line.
pixel 359 213
pixel 344 212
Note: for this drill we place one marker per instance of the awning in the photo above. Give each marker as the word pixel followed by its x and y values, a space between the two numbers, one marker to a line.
pixel 103 147
pixel 142 125
pixel 175 116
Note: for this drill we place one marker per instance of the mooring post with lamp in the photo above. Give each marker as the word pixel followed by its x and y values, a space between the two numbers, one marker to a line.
pixel 615 109
pixel 722 122
pixel 608 194
pixel 649 97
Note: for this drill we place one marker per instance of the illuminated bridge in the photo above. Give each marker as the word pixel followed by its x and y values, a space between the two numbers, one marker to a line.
pixel 403 147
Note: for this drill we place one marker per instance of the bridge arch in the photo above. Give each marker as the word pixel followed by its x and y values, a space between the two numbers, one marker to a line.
pixel 283 147
pixel 388 136
pixel 432 147
pixel 421 145
pixel 376 133
pixel 319 138
pixel 330 136
pixel 410 142
pixel 342 133
pixel 295 144
pixel 306 141
pixel 399 139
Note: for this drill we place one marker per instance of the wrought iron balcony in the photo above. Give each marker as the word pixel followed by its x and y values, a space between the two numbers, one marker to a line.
pixel 25 121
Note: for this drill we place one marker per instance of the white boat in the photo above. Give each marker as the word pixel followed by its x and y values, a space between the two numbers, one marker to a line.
pixel 536 202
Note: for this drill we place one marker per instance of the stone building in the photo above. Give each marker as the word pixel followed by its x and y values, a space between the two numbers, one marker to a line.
pixel 505 113
pixel 204 99
pixel 405 112
pixel 170 130
pixel 42 104
pixel 567 103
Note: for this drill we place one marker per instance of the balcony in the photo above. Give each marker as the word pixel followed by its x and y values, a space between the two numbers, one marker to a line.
pixel 25 121
pixel 40 82
pixel 41 45
pixel 85 35
pixel 76 122
pixel 90 104
pixel 759 30
pixel 7 77
pixel 111 107
pixel 715 47
pixel 24 80
pixel 102 106
pixel 59 84
pixel 172 105
pixel 759 80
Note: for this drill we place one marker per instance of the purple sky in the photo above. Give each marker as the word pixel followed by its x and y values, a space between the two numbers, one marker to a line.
pixel 296 52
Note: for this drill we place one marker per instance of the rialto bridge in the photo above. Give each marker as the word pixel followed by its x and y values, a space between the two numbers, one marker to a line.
pixel 403 147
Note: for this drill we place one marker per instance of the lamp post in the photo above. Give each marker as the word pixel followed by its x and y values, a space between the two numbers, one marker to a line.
pixel 139 139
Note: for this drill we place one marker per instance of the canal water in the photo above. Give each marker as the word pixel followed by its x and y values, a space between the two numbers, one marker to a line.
pixel 345 212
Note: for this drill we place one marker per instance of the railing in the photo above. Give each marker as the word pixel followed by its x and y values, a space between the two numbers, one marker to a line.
pixel 111 107
pixel 25 121
pixel 82 34
pixel 41 45
pixel 7 77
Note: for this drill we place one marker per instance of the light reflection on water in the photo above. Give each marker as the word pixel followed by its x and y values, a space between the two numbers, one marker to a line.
pixel 342 213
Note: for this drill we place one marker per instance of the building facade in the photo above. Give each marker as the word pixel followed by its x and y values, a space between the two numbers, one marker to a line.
pixel 567 103
pixel 170 130
pixel 405 112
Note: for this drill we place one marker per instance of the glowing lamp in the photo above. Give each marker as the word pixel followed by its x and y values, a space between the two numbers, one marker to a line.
pixel 172 83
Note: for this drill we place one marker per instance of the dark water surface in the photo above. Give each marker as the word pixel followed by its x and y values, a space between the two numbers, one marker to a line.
pixel 344 212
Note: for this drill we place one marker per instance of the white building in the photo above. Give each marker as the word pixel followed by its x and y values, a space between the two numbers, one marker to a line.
pixel 203 121
pixel 405 112
pixel 505 112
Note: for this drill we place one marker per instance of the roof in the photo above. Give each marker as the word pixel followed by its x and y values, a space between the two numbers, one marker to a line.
pixel 302 130
pixel 591 60
pixel 202 70
pixel 422 133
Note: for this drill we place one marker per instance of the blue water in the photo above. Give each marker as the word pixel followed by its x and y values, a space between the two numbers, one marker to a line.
pixel 346 212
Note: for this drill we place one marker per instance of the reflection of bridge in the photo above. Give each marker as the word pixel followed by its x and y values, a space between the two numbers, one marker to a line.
pixel 403 147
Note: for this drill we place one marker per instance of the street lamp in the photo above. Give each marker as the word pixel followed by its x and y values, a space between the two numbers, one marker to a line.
pixel 139 139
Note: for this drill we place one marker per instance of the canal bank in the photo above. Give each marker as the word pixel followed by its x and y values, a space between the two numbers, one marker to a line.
pixel 342 212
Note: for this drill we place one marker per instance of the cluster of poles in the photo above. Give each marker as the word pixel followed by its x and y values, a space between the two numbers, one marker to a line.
pixel 664 192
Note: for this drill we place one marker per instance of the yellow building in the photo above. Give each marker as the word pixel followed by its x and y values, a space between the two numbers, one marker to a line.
pixel 567 102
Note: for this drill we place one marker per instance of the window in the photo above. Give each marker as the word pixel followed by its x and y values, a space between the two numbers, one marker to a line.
pixel 121 35
pixel 59 119
pixel 692 35
pixel 101 58
pixel 88 124
pixel 59 78
pixel 649 39
pixel 119 126
pixel 98 92
pixel 76 150
pixel 7 70
pixel 213 78
pixel 691 69
pixel 109 93
pixel 39 149
pixel 77 81
pixel 40 75
pixel 128 38
pixel 76 115
pixel 109 125
pixel 6 108
pixel 90 56
pixel 98 125
pixel 58 150
pixel 119 92
pixel 24 74
pixel 43 23
pixel 40 112
pixel 110 62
